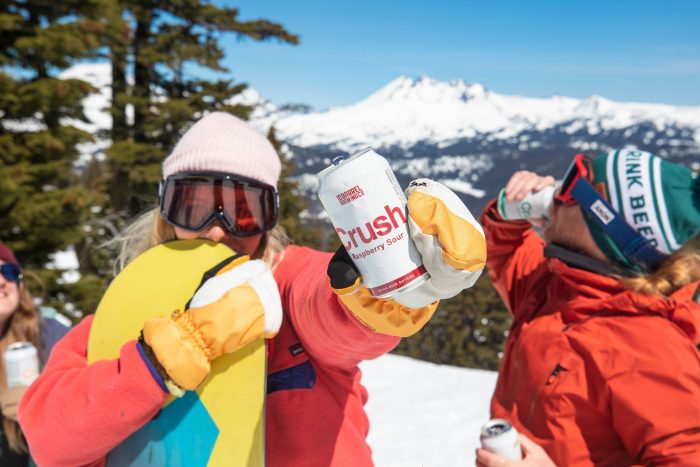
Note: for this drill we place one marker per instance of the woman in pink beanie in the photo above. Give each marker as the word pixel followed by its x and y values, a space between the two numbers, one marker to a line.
pixel 219 183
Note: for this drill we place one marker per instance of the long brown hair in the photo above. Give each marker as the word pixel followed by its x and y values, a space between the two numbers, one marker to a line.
pixel 23 325
pixel 679 269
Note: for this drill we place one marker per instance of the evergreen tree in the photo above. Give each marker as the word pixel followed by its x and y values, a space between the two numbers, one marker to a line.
pixel 42 207
pixel 165 43
pixel 48 205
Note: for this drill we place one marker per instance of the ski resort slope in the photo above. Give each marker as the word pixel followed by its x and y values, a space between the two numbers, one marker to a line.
pixel 423 414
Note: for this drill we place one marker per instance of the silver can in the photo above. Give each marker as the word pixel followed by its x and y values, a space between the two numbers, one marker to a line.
pixel 21 364
pixel 500 437
pixel 533 206
pixel 367 207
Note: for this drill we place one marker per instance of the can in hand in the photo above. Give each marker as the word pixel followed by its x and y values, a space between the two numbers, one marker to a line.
pixel 500 437
pixel 21 364
pixel 533 206
pixel 368 210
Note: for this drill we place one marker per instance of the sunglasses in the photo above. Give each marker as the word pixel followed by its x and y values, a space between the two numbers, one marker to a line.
pixel 580 168
pixel 193 201
pixel 11 272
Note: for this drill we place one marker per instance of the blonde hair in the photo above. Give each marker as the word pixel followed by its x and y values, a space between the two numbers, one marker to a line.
pixel 150 229
pixel 679 269
pixel 23 326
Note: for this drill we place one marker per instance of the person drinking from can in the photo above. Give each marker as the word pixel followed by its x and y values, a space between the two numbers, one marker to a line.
pixel 601 365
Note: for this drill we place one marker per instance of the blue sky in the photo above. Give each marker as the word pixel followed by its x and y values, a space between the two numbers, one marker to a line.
pixel 645 51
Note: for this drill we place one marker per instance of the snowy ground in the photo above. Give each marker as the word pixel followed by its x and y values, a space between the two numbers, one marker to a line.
pixel 422 414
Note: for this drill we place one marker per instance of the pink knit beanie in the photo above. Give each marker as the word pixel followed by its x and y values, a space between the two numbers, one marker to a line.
pixel 220 142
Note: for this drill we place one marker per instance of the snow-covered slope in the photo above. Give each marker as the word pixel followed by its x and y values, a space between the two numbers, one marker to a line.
pixel 422 414
pixel 407 111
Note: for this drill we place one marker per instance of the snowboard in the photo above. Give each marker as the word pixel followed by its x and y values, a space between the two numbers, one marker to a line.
pixel 222 422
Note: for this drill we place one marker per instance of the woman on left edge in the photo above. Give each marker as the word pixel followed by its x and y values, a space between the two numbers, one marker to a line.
pixel 19 321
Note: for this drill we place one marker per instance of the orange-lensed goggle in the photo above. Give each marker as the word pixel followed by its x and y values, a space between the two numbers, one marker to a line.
pixel 193 201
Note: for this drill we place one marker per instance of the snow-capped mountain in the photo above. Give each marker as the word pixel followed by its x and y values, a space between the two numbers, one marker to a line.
pixel 410 111
pixel 464 135
pixel 473 139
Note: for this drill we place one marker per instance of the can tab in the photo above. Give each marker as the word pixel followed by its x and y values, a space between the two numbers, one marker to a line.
pixel 337 160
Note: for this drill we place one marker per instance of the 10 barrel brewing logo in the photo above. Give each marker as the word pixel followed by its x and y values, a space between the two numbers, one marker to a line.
pixel 350 194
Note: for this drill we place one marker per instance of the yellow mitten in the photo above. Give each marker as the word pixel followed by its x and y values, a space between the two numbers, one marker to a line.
pixel 238 305
pixel 385 316
pixel 450 241
pixel 453 250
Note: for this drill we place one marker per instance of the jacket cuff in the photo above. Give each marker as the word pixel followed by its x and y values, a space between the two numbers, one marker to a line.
pixel 151 368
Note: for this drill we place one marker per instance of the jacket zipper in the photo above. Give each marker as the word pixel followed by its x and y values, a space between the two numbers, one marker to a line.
pixel 551 379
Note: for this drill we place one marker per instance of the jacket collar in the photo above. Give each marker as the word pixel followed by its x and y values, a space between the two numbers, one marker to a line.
pixel 597 292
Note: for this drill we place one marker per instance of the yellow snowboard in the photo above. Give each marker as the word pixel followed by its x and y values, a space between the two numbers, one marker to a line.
pixel 222 423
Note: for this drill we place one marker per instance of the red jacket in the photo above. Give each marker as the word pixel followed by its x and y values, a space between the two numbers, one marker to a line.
pixel 75 413
pixel 596 374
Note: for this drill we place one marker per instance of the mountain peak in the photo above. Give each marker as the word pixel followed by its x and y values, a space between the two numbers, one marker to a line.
pixel 423 88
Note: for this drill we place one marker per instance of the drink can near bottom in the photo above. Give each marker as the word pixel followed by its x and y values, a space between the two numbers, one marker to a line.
pixel 500 437
pixel 21 364
pixel 367 207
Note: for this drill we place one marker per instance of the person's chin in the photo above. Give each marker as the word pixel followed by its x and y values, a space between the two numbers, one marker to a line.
pixel 234 245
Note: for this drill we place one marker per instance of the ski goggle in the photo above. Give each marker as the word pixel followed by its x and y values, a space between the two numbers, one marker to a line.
pixel 577 188
pixel 11 272
pixel 193 201
pixel 580 168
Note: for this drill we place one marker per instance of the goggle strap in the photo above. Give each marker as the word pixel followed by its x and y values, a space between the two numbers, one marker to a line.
pixel 632 244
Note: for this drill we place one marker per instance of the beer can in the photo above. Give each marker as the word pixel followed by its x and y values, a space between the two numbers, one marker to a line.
pixel 500 437
pixel 21 364
pixel 367 207
pixel 533 206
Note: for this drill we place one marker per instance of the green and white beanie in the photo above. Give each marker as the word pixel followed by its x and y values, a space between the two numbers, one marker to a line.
pixel 659 199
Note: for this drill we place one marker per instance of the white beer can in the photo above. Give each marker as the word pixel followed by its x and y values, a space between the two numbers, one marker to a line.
pixel 500 437
pixel 368 210
pixel 21 364
pixel 533 206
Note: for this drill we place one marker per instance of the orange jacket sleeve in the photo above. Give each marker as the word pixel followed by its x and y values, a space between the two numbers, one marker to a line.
pixel 75 413
pixel 515 260
pixel 329 332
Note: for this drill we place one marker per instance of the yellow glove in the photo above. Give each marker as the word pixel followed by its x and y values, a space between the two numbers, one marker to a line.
pixel 453 250
pixel 450 241
pixel 381 315
pixel 9 400
pixel 230 310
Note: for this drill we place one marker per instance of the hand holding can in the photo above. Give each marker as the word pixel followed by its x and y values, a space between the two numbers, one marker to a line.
pixel 534 206
pixel 527 195
pixel 500 437
pixel 368 210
